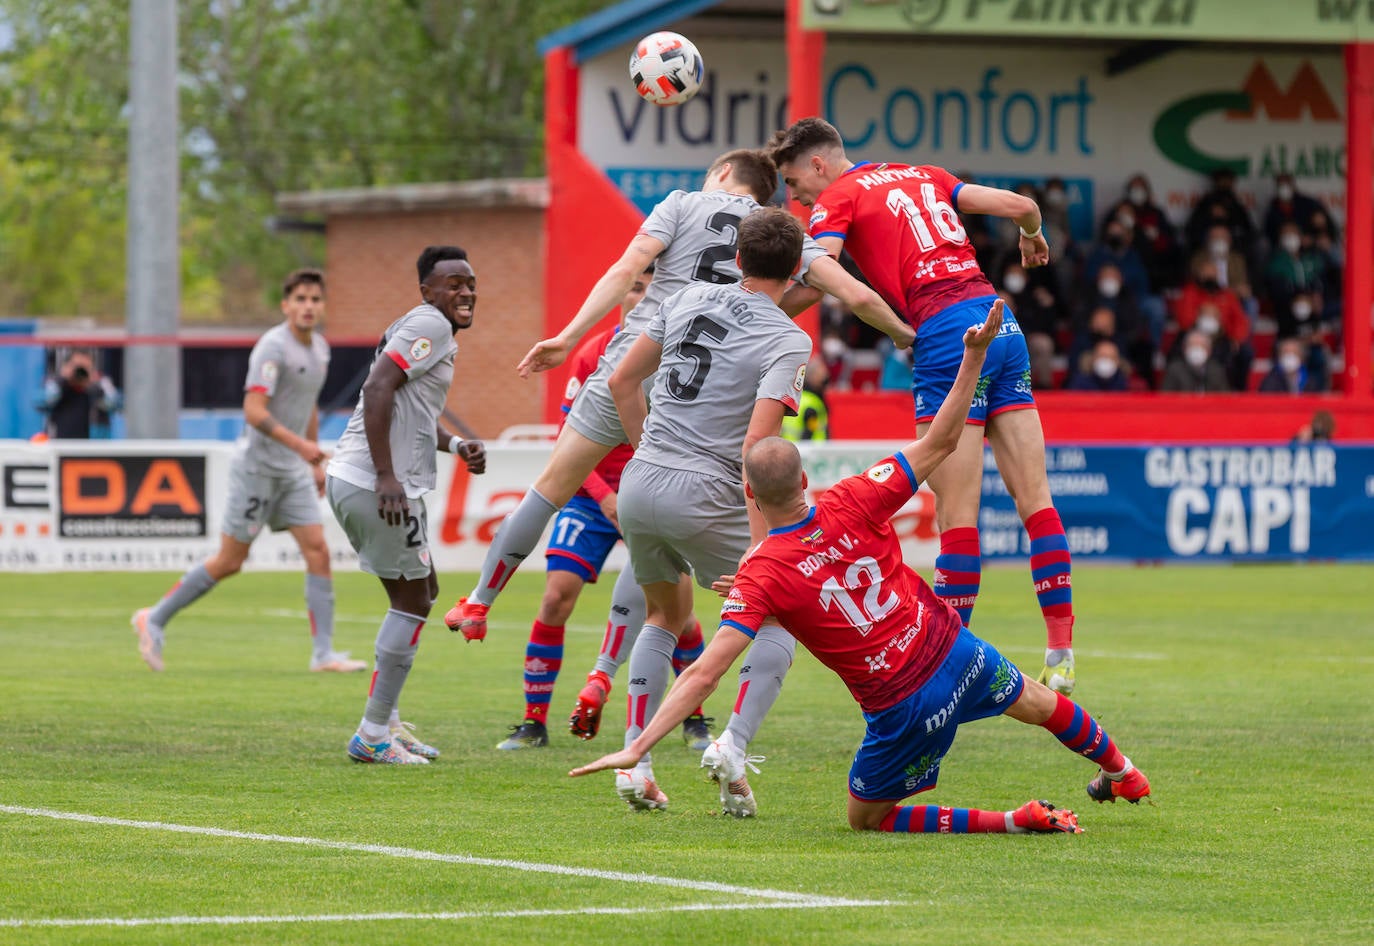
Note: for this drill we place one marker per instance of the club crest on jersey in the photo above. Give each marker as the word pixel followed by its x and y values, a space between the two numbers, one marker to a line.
pixel 882 472
pixel 818 214
pixel 424 556
pixel 571 390
pixel 814 536
pixel 420 349
pixel 800 379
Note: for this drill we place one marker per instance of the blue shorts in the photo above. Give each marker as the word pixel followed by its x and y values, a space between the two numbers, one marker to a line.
pixel 1005 384
pixel 904 744
pixel 582 538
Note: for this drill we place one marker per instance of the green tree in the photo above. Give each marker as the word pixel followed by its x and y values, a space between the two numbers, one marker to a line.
pixel 276 95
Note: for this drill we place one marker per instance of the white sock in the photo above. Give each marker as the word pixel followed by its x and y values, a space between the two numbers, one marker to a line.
pixel 373 733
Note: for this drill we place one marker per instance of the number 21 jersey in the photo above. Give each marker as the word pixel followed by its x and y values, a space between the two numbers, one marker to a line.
pixel 901 225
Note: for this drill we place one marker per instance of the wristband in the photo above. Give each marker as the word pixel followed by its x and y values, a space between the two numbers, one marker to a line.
pixel 1031 236
pixel 454 443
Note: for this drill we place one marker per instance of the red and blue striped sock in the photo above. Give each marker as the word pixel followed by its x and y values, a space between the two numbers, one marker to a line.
pixel 1052 573
pixel 689 647
pixel 959 570
pixel 1072 726
pixel 543 660
pixel 936 819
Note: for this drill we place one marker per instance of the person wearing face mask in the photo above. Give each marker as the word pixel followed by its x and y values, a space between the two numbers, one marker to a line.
pixel 1229 265
pixel 1154 236
pixel 1216 310
pixel 1289 205
pixel 1293 270
pixel 1131 329
pixel 1100 369
pixel 1221 204
pixel 1195 370
pixel 1032 296
pixel 1291 373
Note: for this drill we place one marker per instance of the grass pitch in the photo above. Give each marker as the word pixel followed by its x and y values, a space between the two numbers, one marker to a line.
pixel 219 806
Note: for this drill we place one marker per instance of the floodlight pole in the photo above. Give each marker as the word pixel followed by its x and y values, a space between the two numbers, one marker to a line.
pixel 152 373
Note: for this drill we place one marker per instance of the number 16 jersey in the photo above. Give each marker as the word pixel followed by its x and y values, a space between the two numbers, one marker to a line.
pixel 836 582
pixel 901 225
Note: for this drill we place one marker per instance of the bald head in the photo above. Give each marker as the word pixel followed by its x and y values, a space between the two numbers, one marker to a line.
pixel 773 468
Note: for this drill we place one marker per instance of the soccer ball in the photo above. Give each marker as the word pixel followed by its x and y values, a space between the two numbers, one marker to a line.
pixel 666 68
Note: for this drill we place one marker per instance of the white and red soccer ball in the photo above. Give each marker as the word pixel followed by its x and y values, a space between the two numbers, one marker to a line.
pixel 666 68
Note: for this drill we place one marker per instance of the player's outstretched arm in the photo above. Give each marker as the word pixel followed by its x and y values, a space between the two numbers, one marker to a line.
pixel 605 296
pixel 978 199
pixel 942 436
pixel 627 385
pixel 691 689
pixel 827 275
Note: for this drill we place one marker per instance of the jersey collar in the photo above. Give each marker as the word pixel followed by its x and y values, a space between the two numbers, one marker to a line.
pixel 861 164
pixel 783 530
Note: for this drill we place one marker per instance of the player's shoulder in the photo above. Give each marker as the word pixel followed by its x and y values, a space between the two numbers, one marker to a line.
pixel 424 317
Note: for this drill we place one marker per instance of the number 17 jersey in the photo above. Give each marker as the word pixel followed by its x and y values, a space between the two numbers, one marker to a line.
pixel 901 225
pixel 837 582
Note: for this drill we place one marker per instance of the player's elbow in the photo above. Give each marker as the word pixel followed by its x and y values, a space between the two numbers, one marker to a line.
pixel 620 385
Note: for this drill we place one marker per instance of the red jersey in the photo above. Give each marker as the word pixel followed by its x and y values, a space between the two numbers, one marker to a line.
pixel 581 363
pixel 901 225
pixel 836 581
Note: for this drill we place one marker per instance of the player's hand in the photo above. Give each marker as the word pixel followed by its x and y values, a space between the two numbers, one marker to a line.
pixel 1035 251
pixel 318 472
pixel 311 453
pixel 723 584
pixel 610 509
pixel 546 354
pixel 905 338
pixel 979 337
pixel 391 500
pixel 624 759
pixel 474 454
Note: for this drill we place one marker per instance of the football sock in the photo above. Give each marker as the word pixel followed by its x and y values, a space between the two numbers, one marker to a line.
pixel 958 570
pixel 688 649
pixel 760 681
pixel 193 584
pixel 936 819
pixel 543 659
pixel 1078 731
pixel 513 543
pixel 319 604
pixel 651 662
pixel 1051 571
pixel 622 624
pixel 397 640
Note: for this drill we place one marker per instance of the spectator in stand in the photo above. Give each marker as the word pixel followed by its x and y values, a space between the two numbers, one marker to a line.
pixel 1300 317
pixel 1153 237
pixel 1100 369
pixel 1221 205
pixel 1229 263
pixel 1131 330
pixel 1328 248
pixel 1195 370
pixel 835 355
pixel 1214 310
pixel 1293 269
pixel 1320 429
pixel 1034 297
pixel 1116 248
pixel 1289 205
pixel 1054 216
pixel 1293 371
pixel 79 400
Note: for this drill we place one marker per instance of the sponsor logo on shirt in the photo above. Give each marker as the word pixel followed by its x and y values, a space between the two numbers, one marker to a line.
pixel 882 472
pixel 420 349
pixel 814 536
pixel 734 603
pixel 571 390
pixel 801 377
pixel 269 371
pixel 818 214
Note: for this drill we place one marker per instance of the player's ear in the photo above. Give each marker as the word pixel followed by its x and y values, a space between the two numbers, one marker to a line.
pixel 805 482
pixel 748 490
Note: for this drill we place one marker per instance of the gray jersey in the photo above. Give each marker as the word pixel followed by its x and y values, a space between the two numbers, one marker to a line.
pixel 699 229
pixel 723 349
pixel 421 344
pixel 290 374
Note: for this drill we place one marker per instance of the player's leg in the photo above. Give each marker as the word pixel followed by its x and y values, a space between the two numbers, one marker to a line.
pixel 544 656
pixel 696 728
pixel 1018 442
pixel 957 484
pixel 623 625
pixel 1068 722
pixel 573 459
pixel 150 623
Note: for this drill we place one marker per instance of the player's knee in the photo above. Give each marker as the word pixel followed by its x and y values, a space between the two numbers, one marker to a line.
pixel 862 820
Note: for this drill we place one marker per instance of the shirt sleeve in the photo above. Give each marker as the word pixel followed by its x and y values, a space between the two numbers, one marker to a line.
pixel 811 251
pixel 663 219
pixel 657 329
pixel 946 181
pixel 746 606
pixel 877 493
pixel 832 214
pixel 418 343
pixel 264 366
pixel 784 373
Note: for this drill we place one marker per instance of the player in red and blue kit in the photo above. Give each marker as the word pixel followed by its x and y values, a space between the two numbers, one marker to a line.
pixel 901 225
pixel 833 575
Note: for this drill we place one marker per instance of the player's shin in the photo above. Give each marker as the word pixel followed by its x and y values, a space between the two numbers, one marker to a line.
pixel 397 641
pixel 760 681
pixel 193 585
pixel 319 603
pixel 514 542
pixel 958 570
pixel 651 664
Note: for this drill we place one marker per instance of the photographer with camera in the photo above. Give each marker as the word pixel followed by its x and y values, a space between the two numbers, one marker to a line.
pixel 78 400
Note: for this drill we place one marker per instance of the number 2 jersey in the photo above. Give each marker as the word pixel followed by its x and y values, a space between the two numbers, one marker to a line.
pixel 901 225
pixel 837 582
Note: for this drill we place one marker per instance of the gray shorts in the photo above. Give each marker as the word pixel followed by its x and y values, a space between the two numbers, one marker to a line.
pixel 260 498
pixel 593 413
pixel 677 521
pixel 385 551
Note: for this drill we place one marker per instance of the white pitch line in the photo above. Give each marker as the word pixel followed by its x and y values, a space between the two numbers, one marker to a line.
pixel 458 915
pixel 419 855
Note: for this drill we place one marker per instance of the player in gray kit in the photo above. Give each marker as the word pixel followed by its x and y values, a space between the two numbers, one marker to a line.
pixel 689 237
pixel 727 365
pixel 276 476
pixel 380 473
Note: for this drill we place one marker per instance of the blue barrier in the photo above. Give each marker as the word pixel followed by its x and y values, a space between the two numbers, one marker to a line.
pixel 1255 503
pixel 22 369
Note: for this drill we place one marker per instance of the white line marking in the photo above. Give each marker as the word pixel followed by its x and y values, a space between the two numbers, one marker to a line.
pixel 459 915
pixel 419 855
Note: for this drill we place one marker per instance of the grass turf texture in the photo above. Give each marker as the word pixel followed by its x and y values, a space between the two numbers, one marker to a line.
pixel 1242 692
